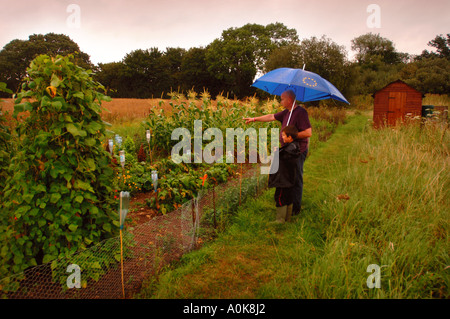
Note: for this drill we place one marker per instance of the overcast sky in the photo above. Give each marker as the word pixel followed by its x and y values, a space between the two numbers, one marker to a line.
pixel 109 29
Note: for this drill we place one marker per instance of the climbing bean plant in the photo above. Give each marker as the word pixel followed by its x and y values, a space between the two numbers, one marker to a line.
pixel 58 196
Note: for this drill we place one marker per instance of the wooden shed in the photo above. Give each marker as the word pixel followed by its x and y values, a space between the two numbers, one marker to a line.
pixel 393 102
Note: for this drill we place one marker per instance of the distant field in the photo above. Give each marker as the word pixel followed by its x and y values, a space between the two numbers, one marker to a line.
pixel 122 110
pixel 129 110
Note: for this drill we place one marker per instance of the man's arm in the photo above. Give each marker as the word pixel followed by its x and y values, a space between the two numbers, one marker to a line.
pixel 305 134
pixel 264 118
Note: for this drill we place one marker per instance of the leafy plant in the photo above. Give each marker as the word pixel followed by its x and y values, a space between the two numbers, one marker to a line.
pixel 129 145
pixel 141 155
pixel 58 195
pixel 5 143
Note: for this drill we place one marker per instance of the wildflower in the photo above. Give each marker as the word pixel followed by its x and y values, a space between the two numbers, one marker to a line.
pixel 204 178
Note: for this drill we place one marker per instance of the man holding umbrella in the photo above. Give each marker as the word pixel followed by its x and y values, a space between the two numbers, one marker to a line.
pixel 292 85
pixel 293 114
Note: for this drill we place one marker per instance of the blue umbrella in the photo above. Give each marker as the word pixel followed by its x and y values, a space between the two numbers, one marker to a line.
pixel 308 86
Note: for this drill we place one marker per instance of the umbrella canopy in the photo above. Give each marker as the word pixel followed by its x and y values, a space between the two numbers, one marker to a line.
pixel 308 86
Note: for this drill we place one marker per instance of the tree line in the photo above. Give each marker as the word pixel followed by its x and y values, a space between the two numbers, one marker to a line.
pixel 231 62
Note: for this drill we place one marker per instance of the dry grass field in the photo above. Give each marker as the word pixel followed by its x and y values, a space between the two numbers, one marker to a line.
pixel 119 111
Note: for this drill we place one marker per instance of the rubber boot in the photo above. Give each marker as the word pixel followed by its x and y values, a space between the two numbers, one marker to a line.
pixel 289 213
pixel 281 215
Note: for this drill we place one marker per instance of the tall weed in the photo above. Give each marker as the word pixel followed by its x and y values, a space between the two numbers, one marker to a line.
pixel 390 207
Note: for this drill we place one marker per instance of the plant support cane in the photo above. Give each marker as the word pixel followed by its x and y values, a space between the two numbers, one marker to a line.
pixel 123 211
pixel 149 149
pixel 214 206
pixel 122 163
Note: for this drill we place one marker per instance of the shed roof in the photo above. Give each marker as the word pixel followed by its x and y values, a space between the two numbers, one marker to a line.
pixel 398 81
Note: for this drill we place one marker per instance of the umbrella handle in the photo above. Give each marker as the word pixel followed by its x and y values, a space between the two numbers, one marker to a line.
pixel 290 113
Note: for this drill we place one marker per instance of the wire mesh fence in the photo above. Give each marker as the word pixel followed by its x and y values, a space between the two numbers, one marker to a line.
pixel 116 267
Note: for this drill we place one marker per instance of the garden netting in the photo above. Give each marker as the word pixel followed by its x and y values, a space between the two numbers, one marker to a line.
pixel 111 270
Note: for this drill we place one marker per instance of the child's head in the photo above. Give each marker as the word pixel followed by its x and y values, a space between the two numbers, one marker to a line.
pixel 289 134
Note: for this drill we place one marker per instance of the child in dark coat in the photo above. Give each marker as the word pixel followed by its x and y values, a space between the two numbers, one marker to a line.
pixel 284 178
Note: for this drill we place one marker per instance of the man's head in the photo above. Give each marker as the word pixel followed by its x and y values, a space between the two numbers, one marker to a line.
pixel 288 99
pixel 289 134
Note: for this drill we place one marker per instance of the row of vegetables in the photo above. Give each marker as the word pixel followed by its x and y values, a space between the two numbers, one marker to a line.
pixel 139 170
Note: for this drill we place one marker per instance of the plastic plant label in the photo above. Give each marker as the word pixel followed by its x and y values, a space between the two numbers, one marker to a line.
pixel 155 179
pixel 119 139
pixel 122 158
pixel 124 205
pixel 111 145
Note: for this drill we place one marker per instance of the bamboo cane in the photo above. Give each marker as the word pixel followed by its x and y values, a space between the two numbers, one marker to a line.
pixel 150 151
pixel 121 248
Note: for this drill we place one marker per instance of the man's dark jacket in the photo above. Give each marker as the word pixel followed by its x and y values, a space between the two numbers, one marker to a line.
pixel 287 173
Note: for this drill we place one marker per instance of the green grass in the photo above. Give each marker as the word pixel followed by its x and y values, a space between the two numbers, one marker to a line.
pixel 394 214
pixel 436 99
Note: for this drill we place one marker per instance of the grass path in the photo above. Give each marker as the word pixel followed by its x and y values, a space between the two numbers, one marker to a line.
pixel 254 259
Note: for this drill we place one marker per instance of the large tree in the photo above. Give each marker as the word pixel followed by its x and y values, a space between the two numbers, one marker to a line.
pixel 113 77
pixel 377 62
pixel 195 74
pixel 16 56
pixel 371 48
pixel 237 56
pixel 174 60
pixel 147 73
pixel 428 75
pixel 442 46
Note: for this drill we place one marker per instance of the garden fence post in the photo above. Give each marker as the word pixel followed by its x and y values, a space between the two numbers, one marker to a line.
pixel 123 210
pixel 192 210
pixel 195 221
pixel 121 246
pixel 149 148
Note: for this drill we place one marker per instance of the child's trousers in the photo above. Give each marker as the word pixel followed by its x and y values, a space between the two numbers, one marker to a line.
pixel 283 196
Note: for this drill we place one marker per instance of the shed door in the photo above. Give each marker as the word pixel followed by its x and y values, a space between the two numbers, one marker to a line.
pixel 397 101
